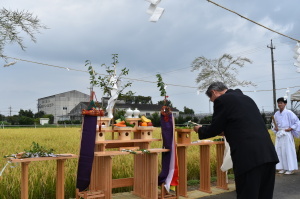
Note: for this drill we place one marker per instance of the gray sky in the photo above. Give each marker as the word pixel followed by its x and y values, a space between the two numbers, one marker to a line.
pixel 96 29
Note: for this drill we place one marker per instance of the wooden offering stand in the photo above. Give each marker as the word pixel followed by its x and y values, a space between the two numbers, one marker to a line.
pixel 141 132
pixel 183 136
pixel 124 132
pixel 205 173
pixel 103 124
pixel 145 132
pixel 60 174
pixel 134 121
pixel 103 121
pixel 144 181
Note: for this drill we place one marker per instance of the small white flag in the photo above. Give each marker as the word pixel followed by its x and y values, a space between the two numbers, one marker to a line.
pixel 157 14
pixel 155 2
pixel 151 9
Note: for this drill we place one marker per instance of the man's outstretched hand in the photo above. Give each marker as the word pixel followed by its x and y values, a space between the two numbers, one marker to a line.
pixel 196 128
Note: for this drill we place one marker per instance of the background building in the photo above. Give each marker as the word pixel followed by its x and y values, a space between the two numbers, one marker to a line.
pixel 60 105
pixel 69 105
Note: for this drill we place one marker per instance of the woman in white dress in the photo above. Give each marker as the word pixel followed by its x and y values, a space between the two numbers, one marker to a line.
pixel 286 126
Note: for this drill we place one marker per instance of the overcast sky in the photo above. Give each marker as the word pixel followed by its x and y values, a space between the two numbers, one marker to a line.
pixel 95 29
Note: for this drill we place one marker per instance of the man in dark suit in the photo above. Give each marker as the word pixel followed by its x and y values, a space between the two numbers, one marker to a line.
pixel 252 151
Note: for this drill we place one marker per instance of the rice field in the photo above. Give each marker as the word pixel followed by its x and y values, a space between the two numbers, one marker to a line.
pixel 42 175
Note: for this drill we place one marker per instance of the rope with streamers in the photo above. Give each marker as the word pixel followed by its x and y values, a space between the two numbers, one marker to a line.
pixel 3 169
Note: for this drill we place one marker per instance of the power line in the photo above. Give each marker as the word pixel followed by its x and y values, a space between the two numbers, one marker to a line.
pixel 132 79
pixel 34 62
pixel 253 21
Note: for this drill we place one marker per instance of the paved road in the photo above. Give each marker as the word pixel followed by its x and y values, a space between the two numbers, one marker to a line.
pixel 286 187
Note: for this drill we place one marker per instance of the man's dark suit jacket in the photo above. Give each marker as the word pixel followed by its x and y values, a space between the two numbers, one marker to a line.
pixel 239 118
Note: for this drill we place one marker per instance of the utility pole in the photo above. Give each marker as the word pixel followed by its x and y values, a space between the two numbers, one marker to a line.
pixel 9 110
pixel 273 75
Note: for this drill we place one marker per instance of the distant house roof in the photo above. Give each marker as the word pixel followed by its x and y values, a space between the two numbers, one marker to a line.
pixel 141 107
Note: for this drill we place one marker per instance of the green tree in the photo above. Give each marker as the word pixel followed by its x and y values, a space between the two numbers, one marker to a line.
pixel 24 120
pixel 51 118
pixel 195 119
pixel 2 117
pixel 27 113
pixel 224 69
pixel 206 120
pixel 39 114
pixel 13 25
pixel 188 118
pixel 127 97
pixel 187 110
pixel 13 120
pixel 142 99
pixel 155 119
pixel 179 120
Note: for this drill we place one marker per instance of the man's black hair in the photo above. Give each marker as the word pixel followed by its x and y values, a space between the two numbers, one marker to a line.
pixel 217 86
pixel 281 99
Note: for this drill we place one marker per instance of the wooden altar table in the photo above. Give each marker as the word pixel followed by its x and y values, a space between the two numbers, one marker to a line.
pixel 205 173
pixel 60 177
pixel 145 183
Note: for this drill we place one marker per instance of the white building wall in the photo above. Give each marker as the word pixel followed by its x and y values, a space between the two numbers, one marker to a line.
pixel 55 104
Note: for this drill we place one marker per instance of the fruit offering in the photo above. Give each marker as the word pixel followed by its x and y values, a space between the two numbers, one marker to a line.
pixel 144 124
pixel 144 119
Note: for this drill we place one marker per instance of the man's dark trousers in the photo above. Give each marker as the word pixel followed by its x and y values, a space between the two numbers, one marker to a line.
pixel 258 183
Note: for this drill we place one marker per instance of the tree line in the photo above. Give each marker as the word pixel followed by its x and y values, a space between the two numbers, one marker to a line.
pixel 25 117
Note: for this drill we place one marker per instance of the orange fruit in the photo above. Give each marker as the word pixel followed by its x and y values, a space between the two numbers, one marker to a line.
pixel 144 124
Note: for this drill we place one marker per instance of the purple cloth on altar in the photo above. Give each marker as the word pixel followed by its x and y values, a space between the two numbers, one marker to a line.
pixel 86 155
pixel 167 134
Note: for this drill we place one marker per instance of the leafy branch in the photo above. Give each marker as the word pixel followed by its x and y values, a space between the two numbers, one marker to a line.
pixel 134 152
pixel 12 23
pixel 104 80
pixel 161 85
pixel 35 150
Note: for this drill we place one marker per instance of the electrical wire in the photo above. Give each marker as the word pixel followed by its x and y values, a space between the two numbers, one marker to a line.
pixel 253 21
pixel 132 79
